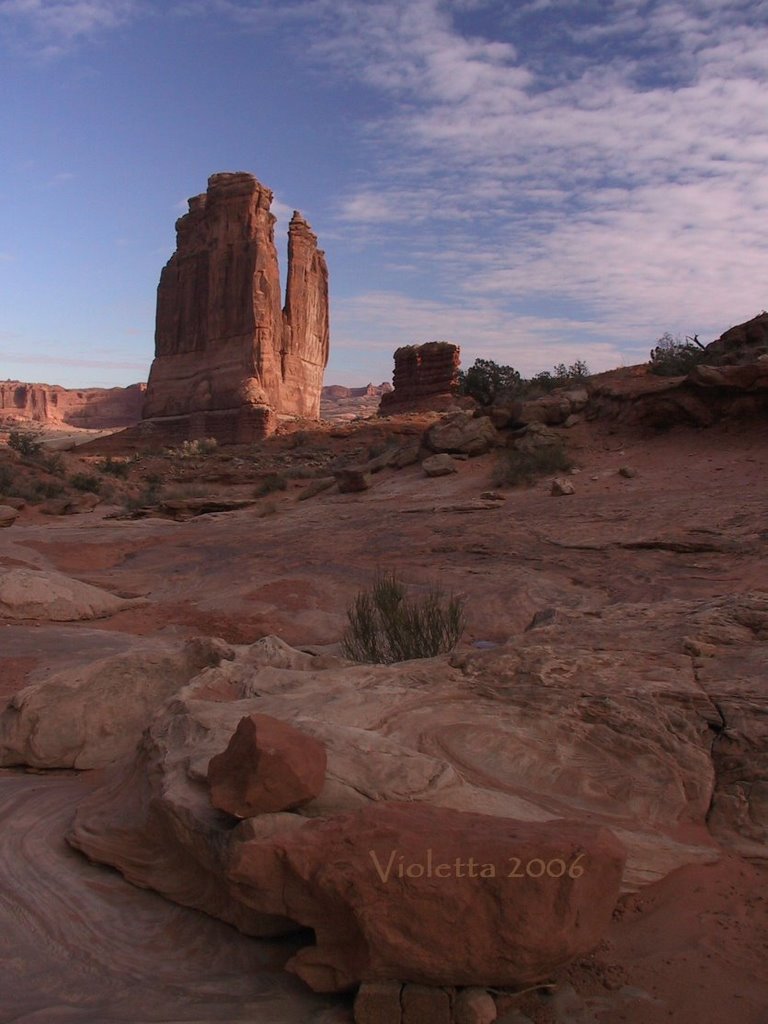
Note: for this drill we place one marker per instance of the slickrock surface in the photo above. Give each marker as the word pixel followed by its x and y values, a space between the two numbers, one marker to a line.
pixel 626 690
pixel 34 594
pixel 79 945
pixel 228 359
pixel 425 377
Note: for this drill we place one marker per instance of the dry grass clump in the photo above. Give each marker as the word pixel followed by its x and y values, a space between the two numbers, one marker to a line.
pixel 515 468
pixel 386 626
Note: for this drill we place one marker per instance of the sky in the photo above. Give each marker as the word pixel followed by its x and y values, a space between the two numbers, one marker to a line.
pixel 538 181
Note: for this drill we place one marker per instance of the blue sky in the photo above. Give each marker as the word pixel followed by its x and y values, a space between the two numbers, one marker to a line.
pixel 539 181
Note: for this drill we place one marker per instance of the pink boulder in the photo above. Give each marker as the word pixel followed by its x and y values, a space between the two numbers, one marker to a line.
pixel 268 766
pixel 435 896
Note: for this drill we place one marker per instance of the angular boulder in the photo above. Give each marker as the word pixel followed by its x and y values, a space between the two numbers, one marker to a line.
pixel 351 481
pixel 8 515
pixel 462 433
pixel 268 766
pixel 439 465
pixel 434 896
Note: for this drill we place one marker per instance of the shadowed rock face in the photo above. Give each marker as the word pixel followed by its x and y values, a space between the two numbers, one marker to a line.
pixel 228 360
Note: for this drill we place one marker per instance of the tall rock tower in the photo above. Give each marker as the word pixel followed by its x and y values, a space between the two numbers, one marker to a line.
pixel 229 362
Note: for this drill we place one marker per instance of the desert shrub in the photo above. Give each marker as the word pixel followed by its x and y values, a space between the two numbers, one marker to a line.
pixel 485 380
pixel 7 481
pixel 25 442
pixel 386 626
pixel 52 463
pixel 193 449
pixel 269 508
pixel 114 467
pixel 41 490
pixel 673 357
pixel 86 482
pixel 300 438
pixel 515 468
pixel 270 483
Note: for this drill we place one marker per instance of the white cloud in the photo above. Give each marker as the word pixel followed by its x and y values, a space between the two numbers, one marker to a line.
pixel 639 200
pixel 483 329
pixel 51 27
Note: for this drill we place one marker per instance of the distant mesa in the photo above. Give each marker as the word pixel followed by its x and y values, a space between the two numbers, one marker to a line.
pixel 229 361
pixel 425 377
pixel 87 408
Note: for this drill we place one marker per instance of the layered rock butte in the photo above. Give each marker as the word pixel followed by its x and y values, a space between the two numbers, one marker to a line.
pixel 229 361
pixel 425 377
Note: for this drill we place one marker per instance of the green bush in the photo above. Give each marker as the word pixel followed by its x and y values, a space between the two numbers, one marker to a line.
pixel 673 357
pixel 485 380
pixel 25 442
pixel 386 626
pixel 86 482
pixel 114 467
pixel 515 468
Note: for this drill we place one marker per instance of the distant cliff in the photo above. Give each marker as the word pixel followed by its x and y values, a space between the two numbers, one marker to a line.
pixel 90 408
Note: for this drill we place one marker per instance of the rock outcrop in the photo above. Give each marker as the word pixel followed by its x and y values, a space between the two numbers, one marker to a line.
pixel 425 377
pixel 228 360
pixel 743 343
pixel 708 394
pixel 89 408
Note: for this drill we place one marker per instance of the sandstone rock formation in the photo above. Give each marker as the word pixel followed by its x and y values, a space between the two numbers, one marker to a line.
pixel 744 343
pixel 91 408
pixel 706 395
pixel 35 594
pixel 425 377
pixel 384 888
pixel 228 360
pixel 91 715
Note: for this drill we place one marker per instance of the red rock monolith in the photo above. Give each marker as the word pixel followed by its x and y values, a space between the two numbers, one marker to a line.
pixel 228 360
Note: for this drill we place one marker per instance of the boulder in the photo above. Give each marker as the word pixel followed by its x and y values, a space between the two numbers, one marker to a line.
pixel 384 887
pixel 352 480
pixel 474 1006
pixel 8 515
pixel 268 766
pixel 561 486
pixel 378 1002
pixel 463 433
pixel 439 465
